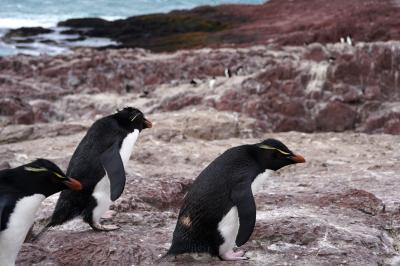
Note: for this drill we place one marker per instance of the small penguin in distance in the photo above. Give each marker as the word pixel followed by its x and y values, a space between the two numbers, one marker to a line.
pixel 219 210
pixel 99 164
pixel 228 72
pixel 211 82
pixel 22 190
pixel 195 82
pixel 349 40
pixel 239 71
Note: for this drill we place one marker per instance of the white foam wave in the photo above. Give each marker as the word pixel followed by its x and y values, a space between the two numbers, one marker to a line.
pixel 12 23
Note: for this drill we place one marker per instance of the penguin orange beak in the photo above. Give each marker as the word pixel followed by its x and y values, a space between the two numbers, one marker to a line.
pixel 298 158
pixel 148 123
pixel 73 184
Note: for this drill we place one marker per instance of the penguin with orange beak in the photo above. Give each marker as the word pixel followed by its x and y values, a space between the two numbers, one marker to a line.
pixel 219 212
pixel 22 190
pixel 99 163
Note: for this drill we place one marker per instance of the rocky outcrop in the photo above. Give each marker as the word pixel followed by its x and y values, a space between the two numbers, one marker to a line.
pixel 26 32
pixel 340 208
pixel 243 25
pixel 315 88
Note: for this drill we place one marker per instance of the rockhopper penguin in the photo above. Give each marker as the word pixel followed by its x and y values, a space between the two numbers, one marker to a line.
pixel 99 164
pixel 219 210
pixel 22 190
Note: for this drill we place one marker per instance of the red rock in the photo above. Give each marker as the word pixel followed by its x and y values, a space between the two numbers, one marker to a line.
pixel 294 124
pixel 43 111
pixel 336 116
pixel 348 72
pixel 386 122
pixel 19 110
pixel 317 52
pixel 180 101
pixel 392 126
pixel 355 199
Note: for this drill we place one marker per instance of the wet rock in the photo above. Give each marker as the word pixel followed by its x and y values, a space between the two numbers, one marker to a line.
pixel 84 23
pixel 26 32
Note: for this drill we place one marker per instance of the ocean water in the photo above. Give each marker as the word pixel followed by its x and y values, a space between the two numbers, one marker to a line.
pixel 47 13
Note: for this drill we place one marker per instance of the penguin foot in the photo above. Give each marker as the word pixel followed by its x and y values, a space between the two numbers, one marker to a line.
pixel 100 227
pixel 108 214
pixel 239 253
pixel 231 255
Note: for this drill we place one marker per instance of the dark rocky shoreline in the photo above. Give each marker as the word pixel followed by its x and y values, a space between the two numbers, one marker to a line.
pixel 275 22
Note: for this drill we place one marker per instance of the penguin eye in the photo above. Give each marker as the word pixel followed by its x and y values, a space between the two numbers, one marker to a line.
pixel 33 169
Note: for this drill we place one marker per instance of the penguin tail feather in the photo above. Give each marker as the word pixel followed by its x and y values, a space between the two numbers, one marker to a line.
pixel 70 204
pixel 190 247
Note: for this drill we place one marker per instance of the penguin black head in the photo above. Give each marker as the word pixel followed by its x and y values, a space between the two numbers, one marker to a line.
pixel 132 118
pixel 47 178
pixel 273 154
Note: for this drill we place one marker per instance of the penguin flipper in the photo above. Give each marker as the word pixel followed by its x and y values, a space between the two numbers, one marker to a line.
pixel 5 200
pixel 112 163
pixel 242 197
pixel 2 206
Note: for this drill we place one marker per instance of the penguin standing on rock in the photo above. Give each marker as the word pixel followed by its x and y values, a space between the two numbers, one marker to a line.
pixel 22 190
pixel 99 163
pixel 219 210
pixel 211 83
pixel 228 72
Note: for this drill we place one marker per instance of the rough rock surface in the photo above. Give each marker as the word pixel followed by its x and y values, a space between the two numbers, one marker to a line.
pixel 340 208
pixel 305 88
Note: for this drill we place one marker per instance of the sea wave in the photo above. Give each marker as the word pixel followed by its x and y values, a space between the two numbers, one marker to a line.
pixel 47 13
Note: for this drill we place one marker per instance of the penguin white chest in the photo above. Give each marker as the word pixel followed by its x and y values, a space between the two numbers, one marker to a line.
pixel 102 190
pixel 127 146
pixel 258 182
pixel 18 226
pixel 102 194
pixel 229 228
